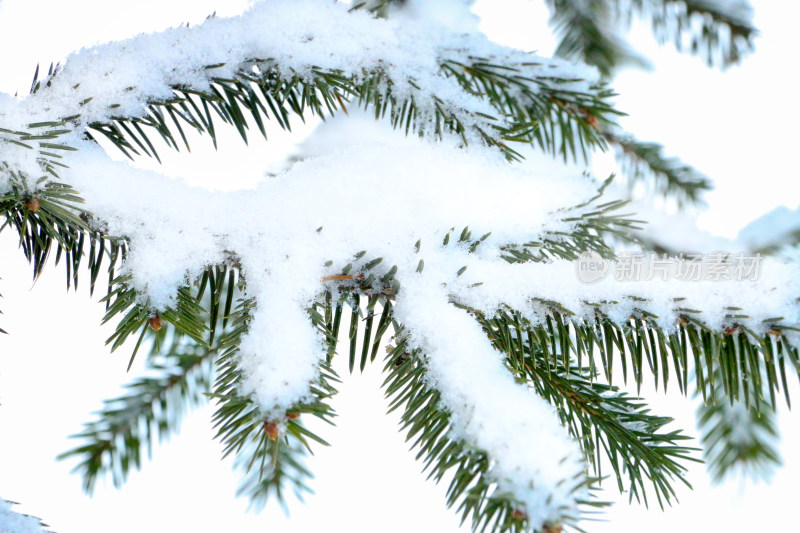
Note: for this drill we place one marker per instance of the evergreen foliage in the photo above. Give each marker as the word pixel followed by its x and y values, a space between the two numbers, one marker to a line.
pixel 572 362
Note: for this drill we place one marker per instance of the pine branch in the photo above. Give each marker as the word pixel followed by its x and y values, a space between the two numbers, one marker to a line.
pixel 670 176
pixel 605 420
pixel 537 100
pixel 152 408
pixel 587 34
pixel 535 107
pixel 592 222
pixel 268 450
pixel 540 107
pixel 737 436
pixel 721 31
pixel 47 214
pixel 473 493
pixel 751 366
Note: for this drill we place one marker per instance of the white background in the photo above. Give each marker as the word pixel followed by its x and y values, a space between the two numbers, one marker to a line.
pixel 738 127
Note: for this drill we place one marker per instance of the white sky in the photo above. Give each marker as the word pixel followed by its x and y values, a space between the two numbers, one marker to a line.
pixel 738 127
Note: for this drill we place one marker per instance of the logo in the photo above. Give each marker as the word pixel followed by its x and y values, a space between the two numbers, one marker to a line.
pixel 591 267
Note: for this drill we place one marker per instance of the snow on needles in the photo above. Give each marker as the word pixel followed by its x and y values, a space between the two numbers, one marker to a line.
pixel 532 455
pixel 377 196
pixel 294 36
pixel 382 194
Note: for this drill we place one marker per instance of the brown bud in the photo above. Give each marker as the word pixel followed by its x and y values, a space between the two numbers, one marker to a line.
pixel 590 118
pixel 292 416
pixel 518 515
pixel 730 330
pixel 155 322
pixel 553 528
pixel 271 429
pixel 32 205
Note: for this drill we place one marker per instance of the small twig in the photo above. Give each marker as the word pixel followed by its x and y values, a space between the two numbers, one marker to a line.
pixel 342 277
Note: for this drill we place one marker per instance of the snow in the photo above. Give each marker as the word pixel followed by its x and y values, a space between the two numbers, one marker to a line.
pixel 455 15
pixel 379 191
pixel 739 11
pixel 531 452
pixel 296 36
pixel 372 190
pixel 770 228
pixel 772 294
pixel 677 232
pixel 175 234
pixel 11 522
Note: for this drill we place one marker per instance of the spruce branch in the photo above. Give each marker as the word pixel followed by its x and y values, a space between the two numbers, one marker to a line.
pixel 187 315
pixel 736 436
pixel 45 220
pixel 537 101
pixel 427 423
pixel 587 33
pixel 605 420
pixel 540 107
pixel 735 360
pixel 592 222
pixel 534 106
pixel 721 32
pixel 151 409
pixel 178 377
pixel 200 310
pixel 741 363
pixel 48 214
pixel 645 161
pixel 269 451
